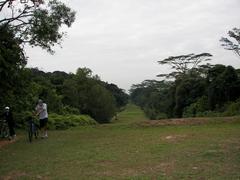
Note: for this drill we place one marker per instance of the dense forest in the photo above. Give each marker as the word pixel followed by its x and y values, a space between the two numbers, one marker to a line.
pixel 194 88
pixel 79 93
pixel 214 90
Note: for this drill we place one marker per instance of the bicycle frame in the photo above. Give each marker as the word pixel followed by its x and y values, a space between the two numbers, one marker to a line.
pixel 32 130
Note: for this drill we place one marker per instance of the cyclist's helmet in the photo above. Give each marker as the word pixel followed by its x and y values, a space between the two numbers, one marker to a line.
pixel 7 108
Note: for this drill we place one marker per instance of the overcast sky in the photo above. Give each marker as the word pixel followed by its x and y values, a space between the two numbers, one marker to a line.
pixel 122 40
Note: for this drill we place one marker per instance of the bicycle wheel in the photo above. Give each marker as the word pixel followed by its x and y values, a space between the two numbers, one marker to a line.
pixel 36 131
pixel 5 131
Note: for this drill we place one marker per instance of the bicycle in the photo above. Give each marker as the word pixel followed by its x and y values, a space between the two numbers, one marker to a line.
pixel 4 131
pixel 33 129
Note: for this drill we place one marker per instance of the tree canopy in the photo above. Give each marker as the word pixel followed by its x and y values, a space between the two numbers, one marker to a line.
pixel 183 64
pixel 232 43
pixel 36 22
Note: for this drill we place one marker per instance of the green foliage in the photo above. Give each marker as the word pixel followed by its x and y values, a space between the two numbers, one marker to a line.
pixel 61 122
pixel 55 121
pixel 196 109
pixel 188 90
pixel 232 108
pixel 183 64
pixel 153 114
pixel 232 44
pixel 12 62
pixel 65 94
pixel 101 104
pixel 224 87
pixel 121 98
pixel 206 91
pixel 38 25
pixel 69 110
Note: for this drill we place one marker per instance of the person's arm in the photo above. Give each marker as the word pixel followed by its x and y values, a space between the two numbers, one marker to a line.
pixel 37 110
pixel 41 109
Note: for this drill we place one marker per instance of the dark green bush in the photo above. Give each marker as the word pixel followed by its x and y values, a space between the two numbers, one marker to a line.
pixel 232 108
pixel 56 121
pixel 67 121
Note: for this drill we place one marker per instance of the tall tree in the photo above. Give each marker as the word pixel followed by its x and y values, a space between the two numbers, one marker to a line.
pixel 232 44
pixel 183 64
pixel 12 61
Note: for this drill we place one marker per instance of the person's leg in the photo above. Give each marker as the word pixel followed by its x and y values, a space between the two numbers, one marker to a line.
pixel 41 123
pixel 45 127
pixel 11 130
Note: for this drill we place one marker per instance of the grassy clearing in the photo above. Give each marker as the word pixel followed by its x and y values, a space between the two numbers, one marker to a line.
pixel 125 150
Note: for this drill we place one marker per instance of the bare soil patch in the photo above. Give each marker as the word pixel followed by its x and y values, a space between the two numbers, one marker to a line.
pixel 14 175
pixel 5 142
pixel 189 121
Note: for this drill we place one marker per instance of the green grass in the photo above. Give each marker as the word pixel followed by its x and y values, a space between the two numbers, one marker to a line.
pixel 125 150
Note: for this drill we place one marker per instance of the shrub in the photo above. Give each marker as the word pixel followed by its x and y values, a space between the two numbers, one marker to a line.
pixel 232 109
pixel 67 121
pixel 56 121
pixel 70 110
pixel 21 118
pixel 153 114
pixel 197 108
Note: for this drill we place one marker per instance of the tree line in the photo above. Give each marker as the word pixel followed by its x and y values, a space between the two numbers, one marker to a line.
pixel 197 93
pixel 194 87
pixel 65 93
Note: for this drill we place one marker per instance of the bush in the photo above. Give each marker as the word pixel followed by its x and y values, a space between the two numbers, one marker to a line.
pixel 70 110
pixel 232 109
pixel 67 121
pixel 153 114
pixel 56 121
pixel 21 118
pixel 197 109
pixel 162 116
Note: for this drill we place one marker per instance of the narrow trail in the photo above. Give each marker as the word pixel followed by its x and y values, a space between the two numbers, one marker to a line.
pixel 130 115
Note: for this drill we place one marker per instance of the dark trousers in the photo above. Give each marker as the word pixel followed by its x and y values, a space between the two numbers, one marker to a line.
pixel 11 128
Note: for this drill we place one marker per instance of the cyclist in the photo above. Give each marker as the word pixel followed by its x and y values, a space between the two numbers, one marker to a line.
pixel 7 115
pixel 41 111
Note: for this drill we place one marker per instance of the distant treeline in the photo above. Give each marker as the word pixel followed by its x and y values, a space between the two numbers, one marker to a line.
pixel 210 90
pixel 65 93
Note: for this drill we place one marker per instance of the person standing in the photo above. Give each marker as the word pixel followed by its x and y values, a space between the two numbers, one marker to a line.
pixel 41 111
pixel 7 115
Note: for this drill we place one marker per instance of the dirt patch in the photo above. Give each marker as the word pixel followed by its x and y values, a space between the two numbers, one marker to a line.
pixel 5 142
pixel 14 175
pixel 189 121
pixel 174 138
pixel 21 175
pixel 105 163
pixel 163 168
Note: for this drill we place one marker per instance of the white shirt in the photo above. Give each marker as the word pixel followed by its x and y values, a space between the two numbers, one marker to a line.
pixel 42 110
